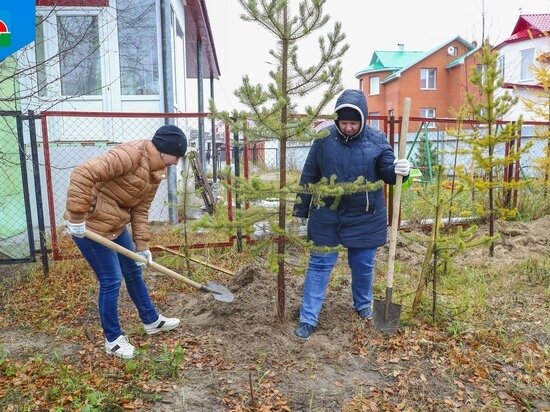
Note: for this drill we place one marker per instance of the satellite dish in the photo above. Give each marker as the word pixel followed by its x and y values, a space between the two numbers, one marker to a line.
pixel 451 50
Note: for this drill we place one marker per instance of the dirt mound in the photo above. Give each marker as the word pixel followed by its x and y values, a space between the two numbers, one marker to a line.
pixel 248 333
pixel 249 324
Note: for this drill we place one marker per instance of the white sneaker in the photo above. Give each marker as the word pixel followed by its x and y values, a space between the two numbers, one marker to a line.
pixel 162 324
pixel 120 347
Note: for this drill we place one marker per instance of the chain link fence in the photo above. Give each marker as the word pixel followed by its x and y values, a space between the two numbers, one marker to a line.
pixel 431 142
pixel 39 153
pixel 14 237
pixel 73 138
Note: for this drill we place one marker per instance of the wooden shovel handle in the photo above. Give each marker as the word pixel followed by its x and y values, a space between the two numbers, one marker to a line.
pixel 138 258
pixel 402 148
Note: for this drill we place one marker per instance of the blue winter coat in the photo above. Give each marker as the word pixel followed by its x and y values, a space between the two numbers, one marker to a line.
pixel 360 220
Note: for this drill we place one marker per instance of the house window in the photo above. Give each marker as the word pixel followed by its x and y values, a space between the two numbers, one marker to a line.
pixel 374 122
pixel 427 79
pixel 374 85
pixel 501 65
pixel 79 64
pixel 428 112
pixel 481 69
pixel 137 42
pixel 527 61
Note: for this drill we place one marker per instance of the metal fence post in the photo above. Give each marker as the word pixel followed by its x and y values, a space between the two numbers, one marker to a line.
pixel 25 184
pixel 237 164
pixel 38 188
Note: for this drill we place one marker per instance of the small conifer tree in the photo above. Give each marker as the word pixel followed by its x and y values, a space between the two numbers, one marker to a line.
pixel 270 110
pixel 488 106
pixel 444 243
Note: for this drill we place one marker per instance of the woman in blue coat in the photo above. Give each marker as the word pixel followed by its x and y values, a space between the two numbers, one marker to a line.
pixel 351 150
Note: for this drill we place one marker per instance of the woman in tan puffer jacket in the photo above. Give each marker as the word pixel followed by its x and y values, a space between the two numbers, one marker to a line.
pixel 104 195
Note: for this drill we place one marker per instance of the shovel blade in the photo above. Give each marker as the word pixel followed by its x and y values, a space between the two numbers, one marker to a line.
pixel 386 322
pixel 220 292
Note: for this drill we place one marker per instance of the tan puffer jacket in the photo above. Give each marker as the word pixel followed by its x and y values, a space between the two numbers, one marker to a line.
pixel 115 189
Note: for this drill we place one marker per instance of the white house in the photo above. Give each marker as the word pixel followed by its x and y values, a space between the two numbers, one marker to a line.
pixel 104 56
pixel 119 55
pixel 527 47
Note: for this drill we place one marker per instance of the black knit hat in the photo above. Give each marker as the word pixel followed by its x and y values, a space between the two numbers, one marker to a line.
pixel 171 140
pixel 348 113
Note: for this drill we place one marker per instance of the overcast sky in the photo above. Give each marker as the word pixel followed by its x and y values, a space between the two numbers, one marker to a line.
pixel 242 47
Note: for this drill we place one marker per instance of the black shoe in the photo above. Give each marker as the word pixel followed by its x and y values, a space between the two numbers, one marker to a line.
pixel 304 331
pixel 365 313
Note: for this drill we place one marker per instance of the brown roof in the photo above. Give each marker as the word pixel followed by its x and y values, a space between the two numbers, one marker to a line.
pixel 197 27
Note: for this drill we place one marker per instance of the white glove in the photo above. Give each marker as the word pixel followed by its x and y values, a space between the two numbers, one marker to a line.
pixel 76 229
pixel 147 255
pixel 402 167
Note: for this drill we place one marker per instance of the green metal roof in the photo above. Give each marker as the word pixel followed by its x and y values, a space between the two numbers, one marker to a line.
pixel 391 60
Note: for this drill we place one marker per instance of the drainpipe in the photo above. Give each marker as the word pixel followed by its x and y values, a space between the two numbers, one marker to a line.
pixel 168 100
pixel 214 154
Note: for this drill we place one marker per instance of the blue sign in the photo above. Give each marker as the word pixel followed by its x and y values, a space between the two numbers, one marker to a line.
pixel 17 25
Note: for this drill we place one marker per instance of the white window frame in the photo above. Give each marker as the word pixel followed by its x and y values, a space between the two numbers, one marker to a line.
pixel 428 79
pixel 375 123
pixel 178 62
pixel 501 65
pixel 76 61
pixel 374 85
pixel 52 69
pixel 145 96
pixel 428 112
pixel 527 58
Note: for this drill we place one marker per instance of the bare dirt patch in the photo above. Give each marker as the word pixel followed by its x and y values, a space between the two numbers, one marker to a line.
pixel 316 374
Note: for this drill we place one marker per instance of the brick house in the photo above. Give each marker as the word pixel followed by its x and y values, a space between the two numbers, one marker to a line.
pixel 436 80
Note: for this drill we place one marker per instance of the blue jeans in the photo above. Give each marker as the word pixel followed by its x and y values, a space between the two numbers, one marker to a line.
pixel 361 263
pixel 110 268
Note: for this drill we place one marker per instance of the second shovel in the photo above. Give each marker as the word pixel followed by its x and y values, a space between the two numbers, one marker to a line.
pixel 387 314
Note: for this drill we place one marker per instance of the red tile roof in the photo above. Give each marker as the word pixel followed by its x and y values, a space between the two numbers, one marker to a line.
pixel 534 22
pixel 529 26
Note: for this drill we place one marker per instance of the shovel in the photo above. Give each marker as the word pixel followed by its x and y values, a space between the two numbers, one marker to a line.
pixel 387 314
pixel 219 292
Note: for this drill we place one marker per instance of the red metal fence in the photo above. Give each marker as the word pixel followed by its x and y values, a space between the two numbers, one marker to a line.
pixel 70 138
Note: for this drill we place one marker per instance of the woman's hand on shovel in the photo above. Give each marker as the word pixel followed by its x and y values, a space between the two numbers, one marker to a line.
pixel 147 255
